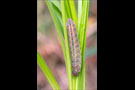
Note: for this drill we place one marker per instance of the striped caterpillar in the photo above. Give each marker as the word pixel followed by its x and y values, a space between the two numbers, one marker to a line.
pixel 74 47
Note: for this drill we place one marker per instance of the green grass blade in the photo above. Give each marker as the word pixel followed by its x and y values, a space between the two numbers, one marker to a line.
pixel 57 23
pixel 68 59
pixel 82 37
pixel 69 11
pixel 83 22
pixel 56 11
pixel 73 12
pixel 67 8
pixel 49 76
pixel 79 13
pixel 75 19
pixel 56 4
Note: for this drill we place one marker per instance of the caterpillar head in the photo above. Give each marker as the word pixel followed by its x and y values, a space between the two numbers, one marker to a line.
pixel 75 73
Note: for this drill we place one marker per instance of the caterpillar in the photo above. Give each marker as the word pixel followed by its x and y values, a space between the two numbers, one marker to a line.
pixel 74 47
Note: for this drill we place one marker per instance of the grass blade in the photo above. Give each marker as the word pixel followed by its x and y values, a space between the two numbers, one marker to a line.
pixel 49 76
pixel 67 8
pixel 67 59
pixel 82 36
pixel 79 13
pixel 73 12
pixel 55 10
pixel 57 23
pixel 56 4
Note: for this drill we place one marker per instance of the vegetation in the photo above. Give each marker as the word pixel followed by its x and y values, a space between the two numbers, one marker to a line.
pixel 60 12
